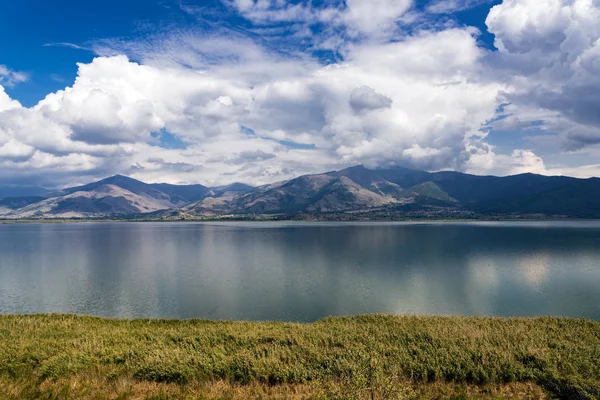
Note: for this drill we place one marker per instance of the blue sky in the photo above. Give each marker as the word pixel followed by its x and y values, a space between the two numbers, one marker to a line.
pixel 43 26
pixel 49 31
pixel 168 90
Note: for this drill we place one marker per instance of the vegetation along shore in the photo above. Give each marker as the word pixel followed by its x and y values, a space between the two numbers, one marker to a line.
pixel 362 357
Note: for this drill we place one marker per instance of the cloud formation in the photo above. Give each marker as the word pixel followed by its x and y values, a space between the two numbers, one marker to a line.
pixel 365 98
pixel 241 111
pixel 10 78
pixel 549 52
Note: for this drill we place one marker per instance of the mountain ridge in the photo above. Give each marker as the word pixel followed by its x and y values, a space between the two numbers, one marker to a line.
pixel 354 192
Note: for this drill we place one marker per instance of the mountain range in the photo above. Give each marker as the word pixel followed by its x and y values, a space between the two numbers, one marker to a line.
pixel 352 193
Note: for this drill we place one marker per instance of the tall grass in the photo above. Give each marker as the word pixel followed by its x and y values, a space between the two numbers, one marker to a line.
pixel 66 356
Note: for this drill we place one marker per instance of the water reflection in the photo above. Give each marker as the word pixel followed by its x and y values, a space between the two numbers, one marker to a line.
pixel 300 272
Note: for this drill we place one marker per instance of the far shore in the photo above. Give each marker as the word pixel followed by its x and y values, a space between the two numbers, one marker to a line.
pixel 239 219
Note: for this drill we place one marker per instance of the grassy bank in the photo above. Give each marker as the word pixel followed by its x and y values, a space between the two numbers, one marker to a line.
pixel 368 357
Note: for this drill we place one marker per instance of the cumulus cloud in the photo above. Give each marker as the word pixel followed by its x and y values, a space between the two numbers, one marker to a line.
pixel 549 53
pixel 484 161
pixel 366 98
pixel 262 128
pixel 6 103
pixel 246 112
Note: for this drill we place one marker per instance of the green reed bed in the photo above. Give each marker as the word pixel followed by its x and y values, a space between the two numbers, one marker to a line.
pixel 371 356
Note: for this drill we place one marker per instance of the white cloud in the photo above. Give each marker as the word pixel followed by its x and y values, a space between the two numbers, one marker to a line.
pixel 374 17
pixel 13 149
pixel 6 103
pixel 365 98
pixel 9 77
pixel 450 6
pixel 549 54
pixel 484 161
pixel 522 26
pixel 267 11
pixel 246 113
pixel 107 104
pixel 360 111
pixel 581 171
pixel 357 18
pixel 432 56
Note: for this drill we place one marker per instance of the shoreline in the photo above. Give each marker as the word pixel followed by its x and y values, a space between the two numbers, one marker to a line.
pixel 194 320
pixel 412 221
pixel 368 356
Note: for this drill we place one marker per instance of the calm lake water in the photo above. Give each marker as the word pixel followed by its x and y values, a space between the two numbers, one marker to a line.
pixel 300 271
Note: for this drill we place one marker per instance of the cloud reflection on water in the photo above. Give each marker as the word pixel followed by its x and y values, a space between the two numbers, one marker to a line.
pixel 298 271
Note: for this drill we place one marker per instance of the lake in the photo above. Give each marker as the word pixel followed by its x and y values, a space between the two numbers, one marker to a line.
pixel 301 271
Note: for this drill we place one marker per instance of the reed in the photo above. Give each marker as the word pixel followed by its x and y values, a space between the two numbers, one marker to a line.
pixel 362 357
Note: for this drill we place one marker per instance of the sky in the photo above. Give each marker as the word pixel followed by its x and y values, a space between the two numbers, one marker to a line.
pixel 259 91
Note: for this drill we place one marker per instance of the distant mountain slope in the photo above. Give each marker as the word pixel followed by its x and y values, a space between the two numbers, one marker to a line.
pixel 350 189
pixel 288 197
pixel 231 190
pixel 345 194
pixel 357 190
pixel 523 194
pixel 14 203
pixel 134 186
pixel 102 201
pixel 188 193
pixel 471 189
pixel 218 199
pixel 429 190
pixel 572 197
pixel 404 177
pixel 332 191
pixel 114 196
